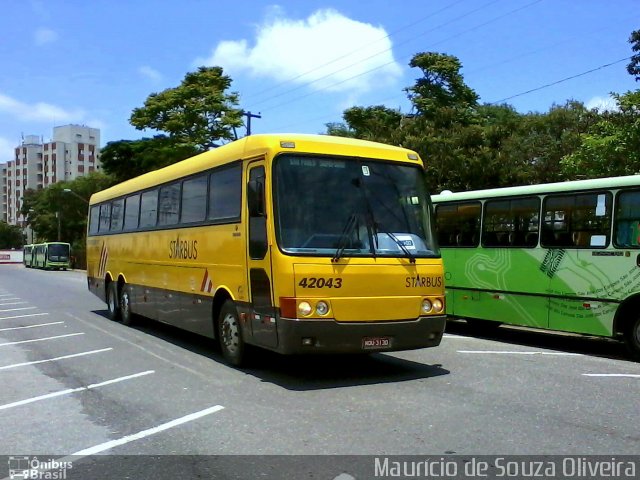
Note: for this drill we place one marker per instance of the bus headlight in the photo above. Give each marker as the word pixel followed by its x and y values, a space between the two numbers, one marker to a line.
pixel 304 308
pixel 438 305
pixel 322 308
pixel 426 306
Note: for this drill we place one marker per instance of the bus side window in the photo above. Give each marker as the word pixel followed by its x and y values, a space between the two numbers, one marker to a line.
pixel 626 230
pixel 94 220
pixel 458 225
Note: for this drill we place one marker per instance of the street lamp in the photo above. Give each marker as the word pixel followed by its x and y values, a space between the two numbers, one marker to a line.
pixel 68 190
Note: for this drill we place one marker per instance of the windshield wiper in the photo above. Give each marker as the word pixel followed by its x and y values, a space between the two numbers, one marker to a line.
pixel 403 247
pixel 345 236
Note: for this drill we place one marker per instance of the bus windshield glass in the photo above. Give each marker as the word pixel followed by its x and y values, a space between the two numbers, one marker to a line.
pixel 58 252
pixel 345 207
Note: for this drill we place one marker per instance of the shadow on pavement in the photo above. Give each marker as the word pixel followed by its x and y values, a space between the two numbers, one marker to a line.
pixel 300 372
pixel 550 340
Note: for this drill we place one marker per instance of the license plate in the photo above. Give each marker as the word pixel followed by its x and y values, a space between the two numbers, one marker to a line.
pixel 376 342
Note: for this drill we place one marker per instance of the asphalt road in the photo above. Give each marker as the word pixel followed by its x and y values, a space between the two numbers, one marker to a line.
pixel 75 383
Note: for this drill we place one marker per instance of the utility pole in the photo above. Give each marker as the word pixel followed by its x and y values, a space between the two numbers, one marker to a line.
pixel 249 116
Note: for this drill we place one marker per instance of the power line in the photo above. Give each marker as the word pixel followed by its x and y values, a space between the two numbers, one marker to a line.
pixel 513 96
pixel 375 55
pixel 389 63
pixel 560 81
pixel 403 28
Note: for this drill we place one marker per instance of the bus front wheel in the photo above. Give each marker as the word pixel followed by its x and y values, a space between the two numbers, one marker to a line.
pixel 230 334
pixel 632 338
pixel 112 301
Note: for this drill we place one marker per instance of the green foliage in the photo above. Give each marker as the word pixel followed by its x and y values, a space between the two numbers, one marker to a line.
pixel 10 236
pixel 51 209
pixel 611 145
pixel 197 112
pixel 441 94
pixel 126 159
pixel 377 123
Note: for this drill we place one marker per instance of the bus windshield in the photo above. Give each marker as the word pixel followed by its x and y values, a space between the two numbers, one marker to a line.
pixel 58 252
pixel 335 206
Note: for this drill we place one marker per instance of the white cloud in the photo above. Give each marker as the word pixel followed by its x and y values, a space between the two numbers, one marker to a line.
pixel 40 111
pixel 602 104
pixel 7 149
pixel 43 36
pixel 328 51
pixel 150 73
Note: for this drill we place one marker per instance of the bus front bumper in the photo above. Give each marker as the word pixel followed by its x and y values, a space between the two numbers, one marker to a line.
pixel 297 336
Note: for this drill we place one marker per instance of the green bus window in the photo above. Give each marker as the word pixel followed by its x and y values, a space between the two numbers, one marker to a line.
pixel 225 193
pixel 149 209
pixel 117 209
pixel 105 217
pixel 582 220
pixel 458 225
pixel 194 200
pixel 169 204
pixel 511 222
pixel 627 220
pixel 94 220
pixel 131 212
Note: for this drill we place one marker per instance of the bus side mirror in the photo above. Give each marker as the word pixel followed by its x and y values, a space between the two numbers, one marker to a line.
pixel 255 198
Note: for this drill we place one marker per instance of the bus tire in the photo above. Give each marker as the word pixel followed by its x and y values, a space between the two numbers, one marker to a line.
pixel 632 338
pixel 113 308
pixel 126 316
pixel 230 334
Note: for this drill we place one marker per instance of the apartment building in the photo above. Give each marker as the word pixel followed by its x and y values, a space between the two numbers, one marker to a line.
pixel 73 151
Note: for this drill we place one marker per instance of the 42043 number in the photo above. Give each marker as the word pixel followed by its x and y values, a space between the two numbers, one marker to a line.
pixel 315 282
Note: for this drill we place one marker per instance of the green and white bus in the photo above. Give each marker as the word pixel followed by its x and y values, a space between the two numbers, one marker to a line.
pixel 559 256
pixel 27 255
pixel 51 255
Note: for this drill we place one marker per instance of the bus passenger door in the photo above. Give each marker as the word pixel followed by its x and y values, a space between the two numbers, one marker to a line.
pixel 263 319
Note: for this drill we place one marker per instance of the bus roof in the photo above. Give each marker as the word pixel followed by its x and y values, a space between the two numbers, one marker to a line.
pixel 255 145
pixel 541 189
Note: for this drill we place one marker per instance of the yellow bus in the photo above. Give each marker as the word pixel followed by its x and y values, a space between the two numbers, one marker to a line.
pixel 293 243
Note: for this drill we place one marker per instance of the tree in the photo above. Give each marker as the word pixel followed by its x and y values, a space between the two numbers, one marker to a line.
pixel 376 123
pixel 441 95
pixel 125 159
pixel 52 210
pixel 611 146
pixel 634 65
pixel 197 112
pixel 10 236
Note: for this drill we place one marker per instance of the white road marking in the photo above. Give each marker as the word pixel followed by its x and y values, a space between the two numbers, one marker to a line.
pixel 515 352
pixel 629 375
pixel 145 433
pixel 173 363
pixel 12 303
pixel 73 355
pixel 16 309
pixel 23 316
pixel 73 390
pixel 30 326
pixel 6 295
pixel 41 339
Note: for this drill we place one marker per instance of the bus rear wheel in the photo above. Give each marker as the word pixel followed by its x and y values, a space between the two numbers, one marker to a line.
pixel 230 334
pixel 632 338
pixel 125 306
pixel 113 308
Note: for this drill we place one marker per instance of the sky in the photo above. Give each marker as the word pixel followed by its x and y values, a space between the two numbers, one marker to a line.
pixel 298 64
